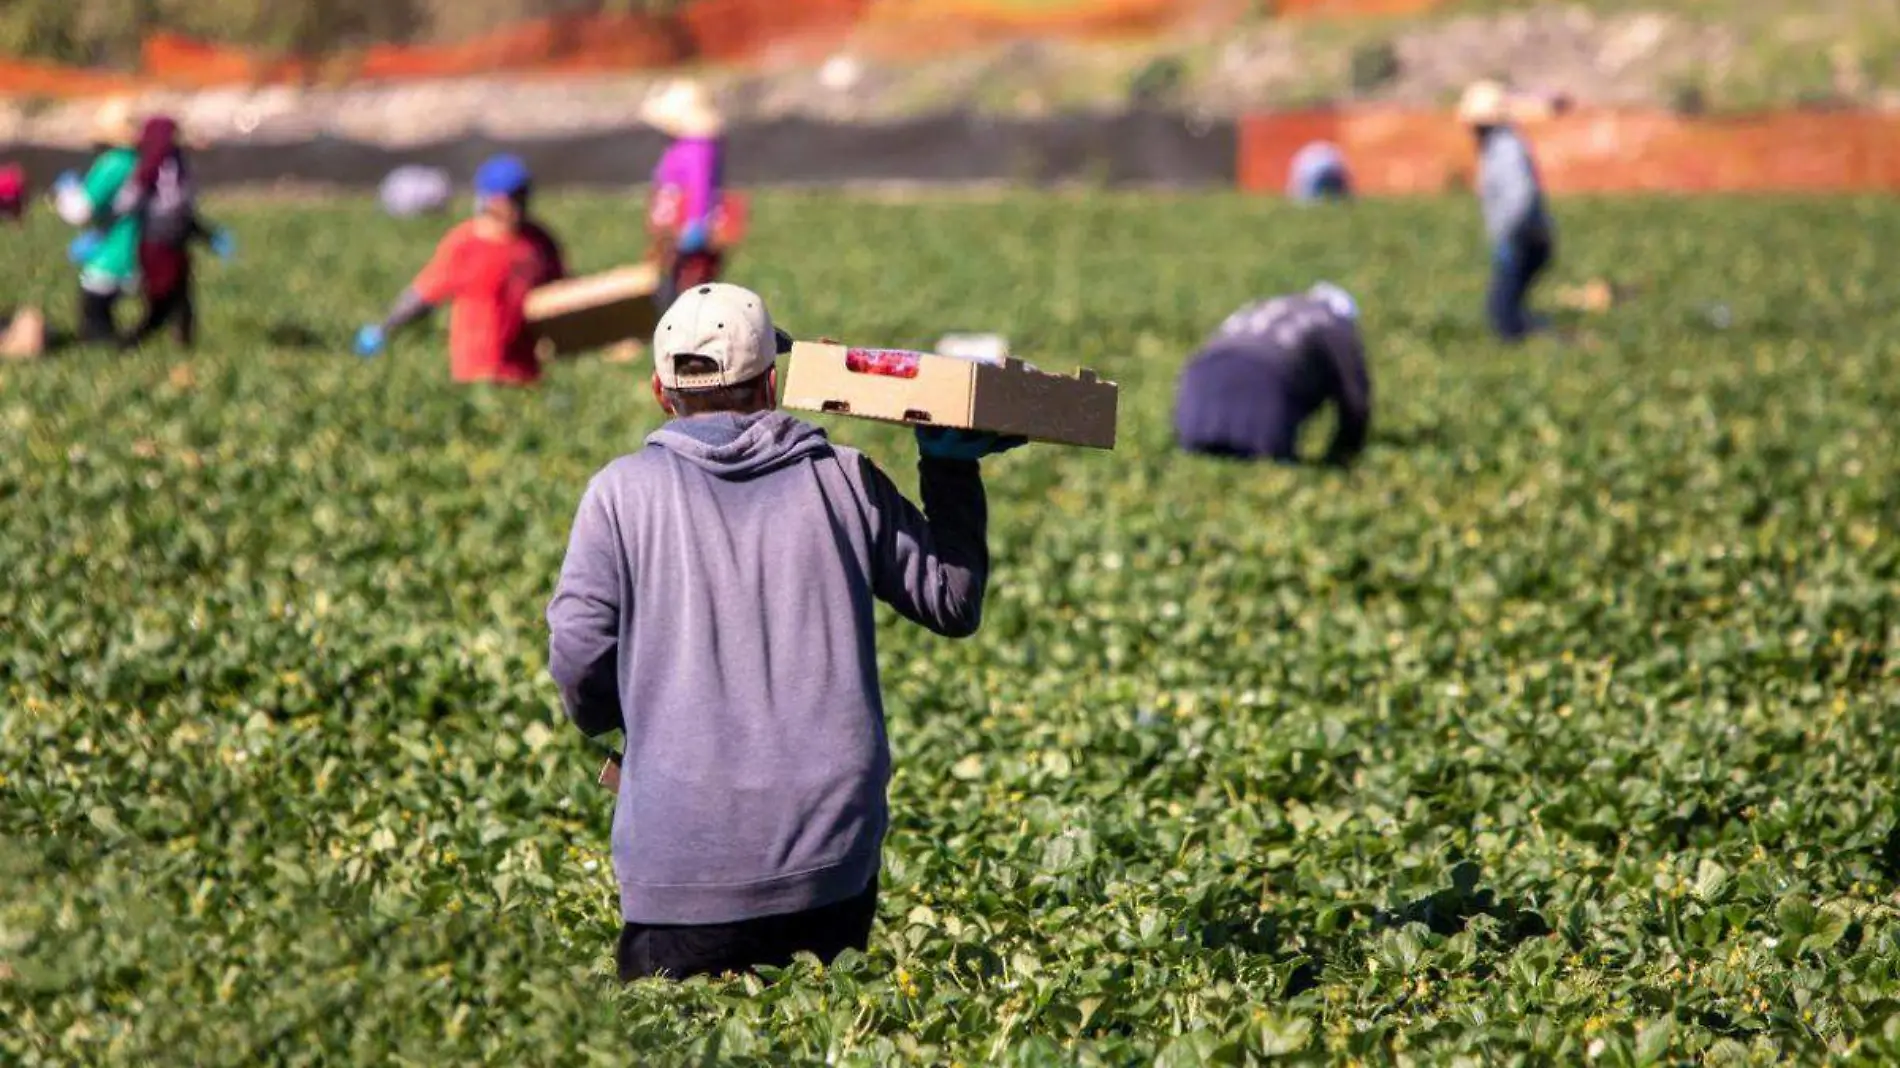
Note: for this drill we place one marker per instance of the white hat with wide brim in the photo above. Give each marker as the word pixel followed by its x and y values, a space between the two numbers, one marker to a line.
pixel 1485 104
pixel 683 109
pixel 1494 104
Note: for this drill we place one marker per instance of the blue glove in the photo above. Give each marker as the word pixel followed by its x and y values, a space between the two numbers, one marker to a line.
pixel 695 237
pixel 66 180
pixel 943 443
pixel 224 245
pixel 84 247
pixel 370 341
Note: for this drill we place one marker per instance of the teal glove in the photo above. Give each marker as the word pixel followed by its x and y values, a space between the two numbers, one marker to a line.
pixel 370 341
pixel 224 245
pixel 944 443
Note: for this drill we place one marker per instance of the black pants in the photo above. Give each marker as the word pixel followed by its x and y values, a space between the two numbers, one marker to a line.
pixel 1514 268
pixel 174 308
pixel 96 323
pixel 681 952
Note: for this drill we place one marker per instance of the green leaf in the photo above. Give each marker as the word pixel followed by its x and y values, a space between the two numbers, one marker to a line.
pixel 105 820
pixel 1652 1041
pixel 537 736
pixel 1830 925
pixel 1797 916
pixel 1710 880
pixel 1280 1035
pixel 1190 1050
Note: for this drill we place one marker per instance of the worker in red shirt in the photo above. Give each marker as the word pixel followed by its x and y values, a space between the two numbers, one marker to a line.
pixel 485 269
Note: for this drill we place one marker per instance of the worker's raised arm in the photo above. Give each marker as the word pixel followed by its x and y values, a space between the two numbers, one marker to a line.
pixel 438 283
pixel 933 565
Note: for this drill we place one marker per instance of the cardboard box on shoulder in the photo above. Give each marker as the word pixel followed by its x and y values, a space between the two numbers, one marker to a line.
pixel 595 311
pixel 928 389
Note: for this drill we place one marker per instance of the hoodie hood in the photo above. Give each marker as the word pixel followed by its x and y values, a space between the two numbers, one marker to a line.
pixel 740 446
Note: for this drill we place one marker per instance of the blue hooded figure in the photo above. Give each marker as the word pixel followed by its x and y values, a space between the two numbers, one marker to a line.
pixel 1318 172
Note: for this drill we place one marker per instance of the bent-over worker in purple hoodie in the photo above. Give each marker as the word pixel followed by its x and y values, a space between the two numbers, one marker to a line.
pixel 716 606
pixel 1269 368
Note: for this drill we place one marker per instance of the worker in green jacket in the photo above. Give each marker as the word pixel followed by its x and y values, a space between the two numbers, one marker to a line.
pixel 107 253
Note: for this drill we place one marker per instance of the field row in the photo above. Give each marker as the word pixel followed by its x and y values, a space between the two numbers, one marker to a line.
pixel 1557 729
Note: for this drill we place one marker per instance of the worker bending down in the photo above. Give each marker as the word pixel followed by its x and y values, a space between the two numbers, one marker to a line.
pixel 1268 369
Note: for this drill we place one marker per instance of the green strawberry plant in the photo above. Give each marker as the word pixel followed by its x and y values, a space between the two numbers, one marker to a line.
pixel 1556 731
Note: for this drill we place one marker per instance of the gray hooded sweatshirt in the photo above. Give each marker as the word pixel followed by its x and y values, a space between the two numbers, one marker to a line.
pixel 716 605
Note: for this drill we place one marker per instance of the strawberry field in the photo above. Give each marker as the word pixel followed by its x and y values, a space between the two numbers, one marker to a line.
pixel 1559 730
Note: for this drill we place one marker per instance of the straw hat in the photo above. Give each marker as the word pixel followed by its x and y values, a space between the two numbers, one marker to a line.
pixel 683 109
pixel 114 124
pixel 1485 104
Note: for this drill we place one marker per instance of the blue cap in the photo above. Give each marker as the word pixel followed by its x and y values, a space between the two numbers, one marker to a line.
pixel 502 176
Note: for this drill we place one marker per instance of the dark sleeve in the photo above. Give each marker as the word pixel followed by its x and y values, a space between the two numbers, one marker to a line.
pixel 584 620
pixel 408 308
pixel 1352 391
pixel 931 565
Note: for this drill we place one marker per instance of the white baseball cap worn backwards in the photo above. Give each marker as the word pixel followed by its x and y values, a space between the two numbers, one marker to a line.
pixel 726 324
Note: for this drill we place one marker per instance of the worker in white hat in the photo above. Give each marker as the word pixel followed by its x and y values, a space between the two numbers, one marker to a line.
pixel 1511 196
pixel 106 251
pixel 717 607
pixel 687 211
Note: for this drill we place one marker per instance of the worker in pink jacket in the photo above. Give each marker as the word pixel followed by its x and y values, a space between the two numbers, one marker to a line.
pixel 685 213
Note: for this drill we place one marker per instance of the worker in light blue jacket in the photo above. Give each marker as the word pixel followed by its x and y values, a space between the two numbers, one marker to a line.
pixel 1512 198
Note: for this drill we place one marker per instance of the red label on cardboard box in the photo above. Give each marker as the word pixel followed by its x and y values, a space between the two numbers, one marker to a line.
pixel 892 363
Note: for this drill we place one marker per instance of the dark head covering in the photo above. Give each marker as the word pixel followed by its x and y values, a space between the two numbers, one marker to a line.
pixel 158 143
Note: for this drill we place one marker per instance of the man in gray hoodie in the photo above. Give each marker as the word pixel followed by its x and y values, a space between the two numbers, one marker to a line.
pixel 716 605
pixel 1512 200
